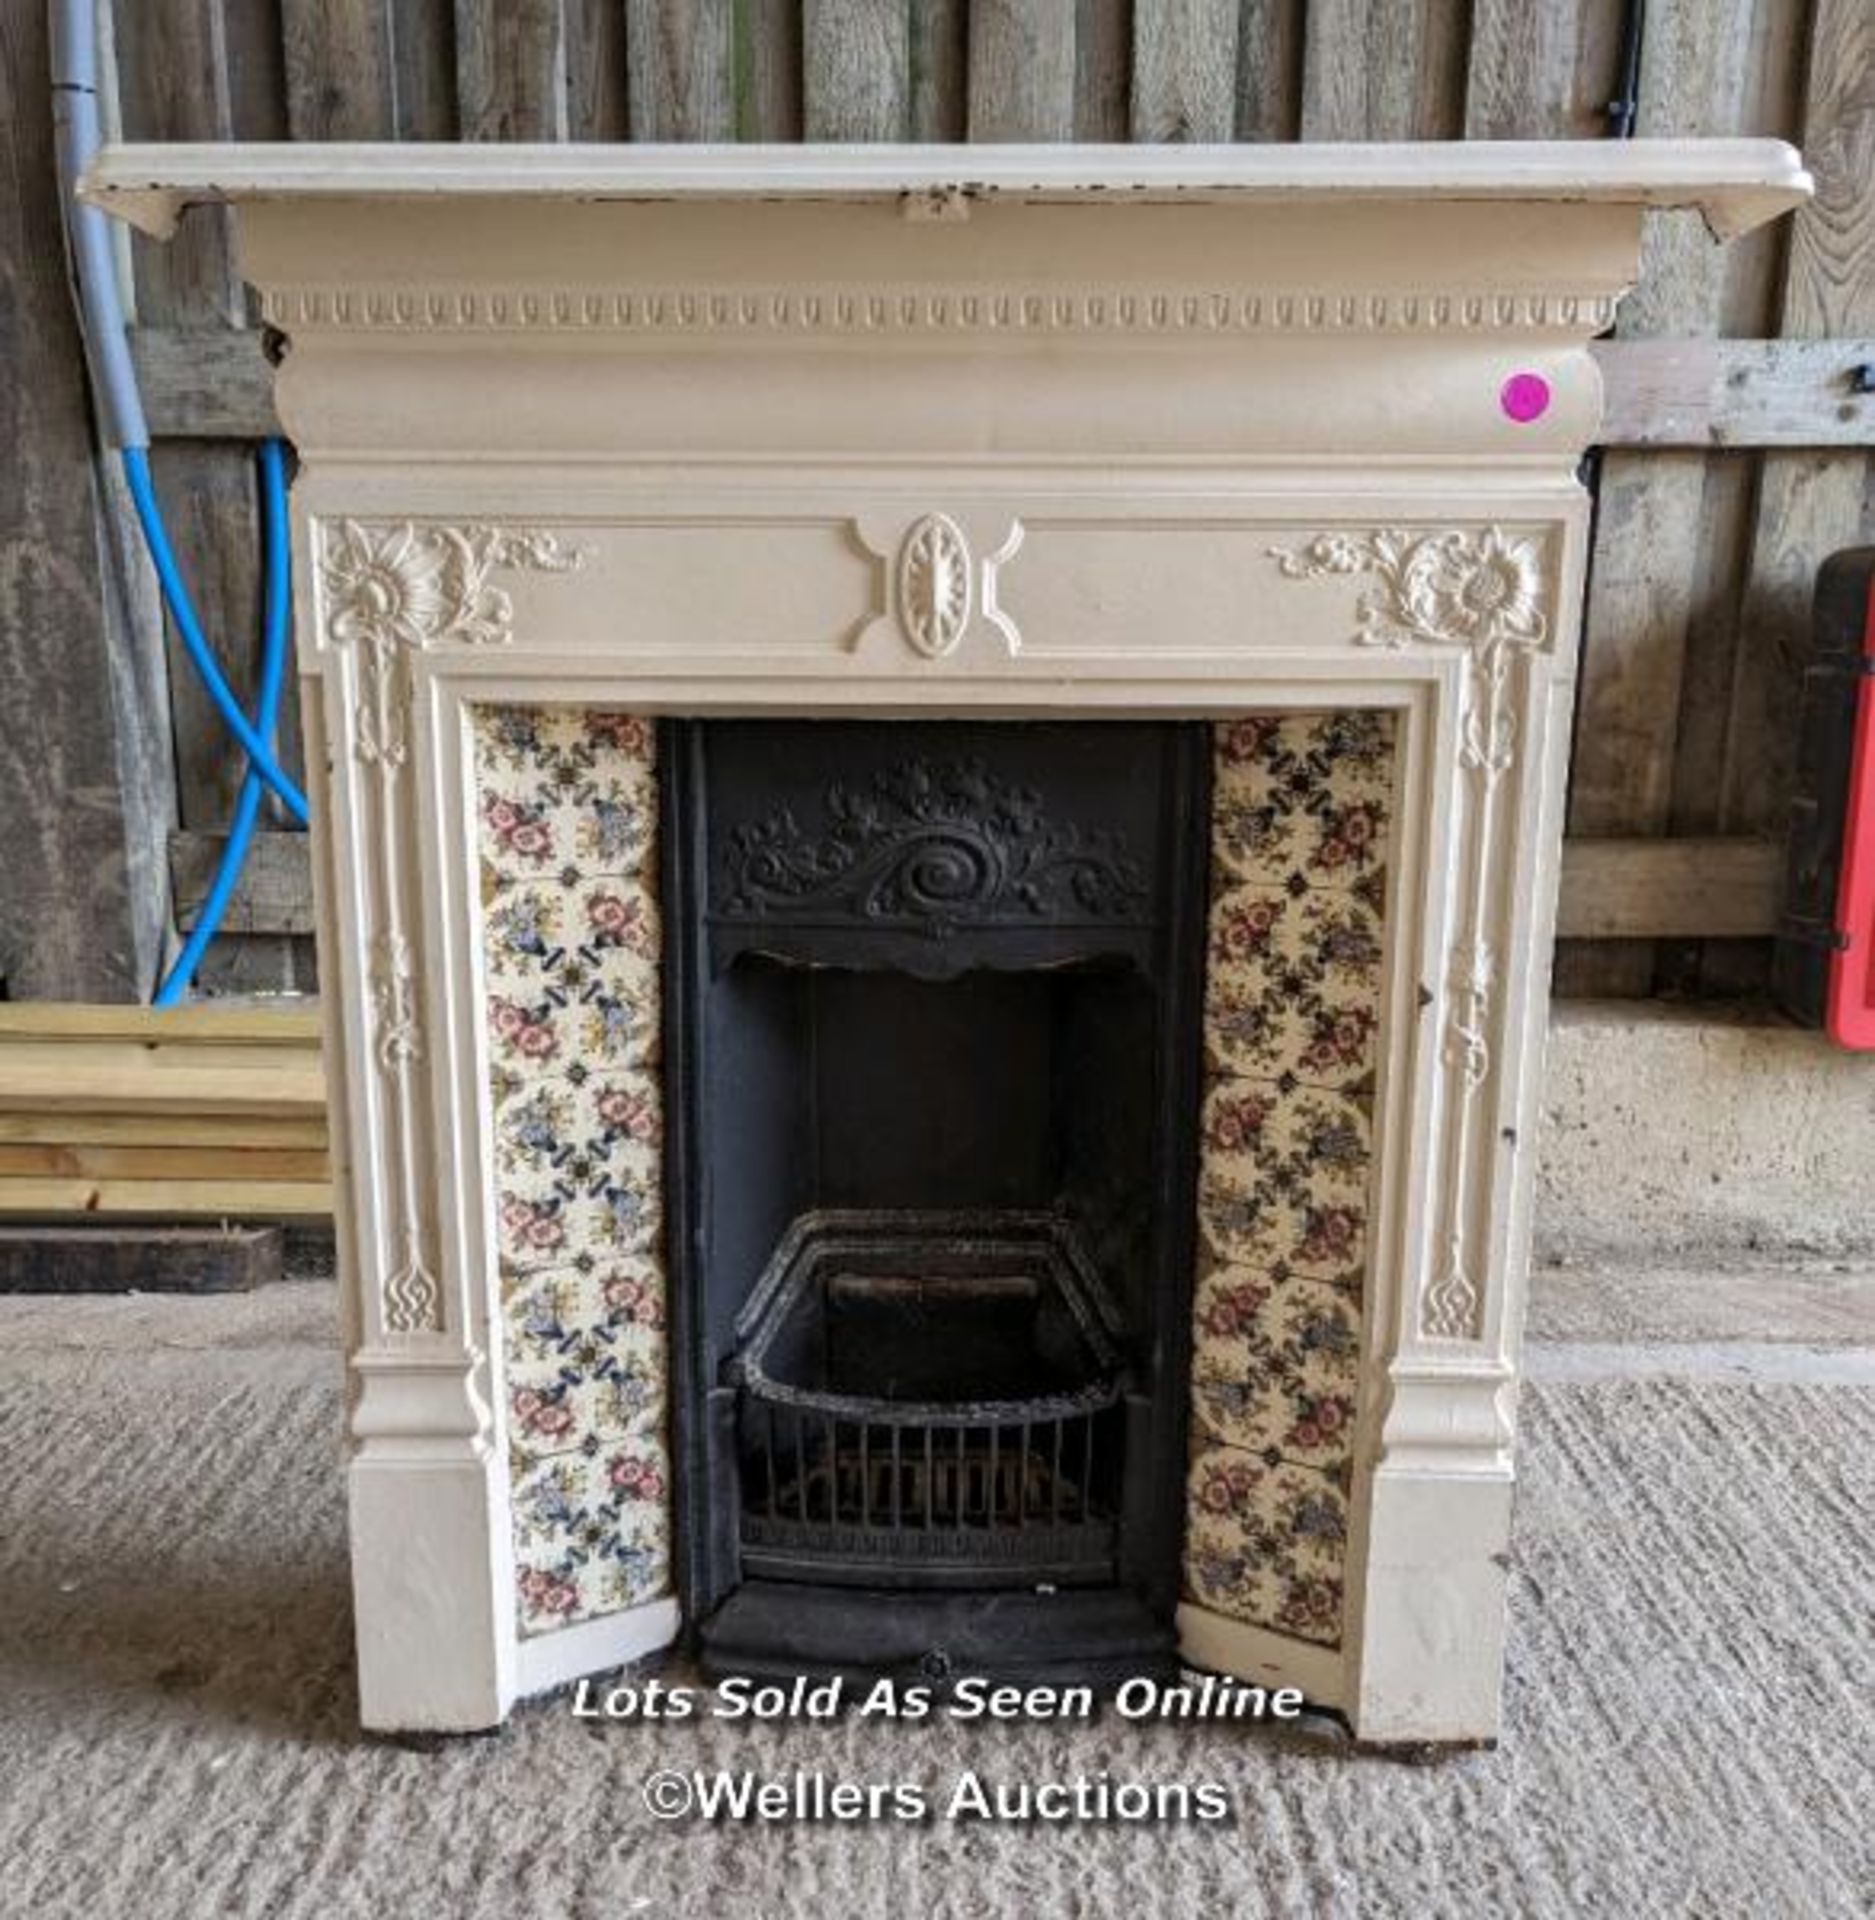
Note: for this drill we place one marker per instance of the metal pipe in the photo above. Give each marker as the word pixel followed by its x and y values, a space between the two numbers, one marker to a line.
pixel 1625 107
pixel 74 34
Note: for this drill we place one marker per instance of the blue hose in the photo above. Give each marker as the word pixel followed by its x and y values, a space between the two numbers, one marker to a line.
pixel 182 609
pixel 272 681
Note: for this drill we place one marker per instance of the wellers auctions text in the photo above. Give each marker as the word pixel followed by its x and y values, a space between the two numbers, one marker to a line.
pixel 968 1698
pixel 806 1798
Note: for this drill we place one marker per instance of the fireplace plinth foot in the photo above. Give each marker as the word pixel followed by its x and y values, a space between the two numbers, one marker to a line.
pixel 772 1630
pixel 1420 1753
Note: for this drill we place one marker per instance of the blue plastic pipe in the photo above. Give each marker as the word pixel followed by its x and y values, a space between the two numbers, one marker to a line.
pixel 272 680
pixel 182 611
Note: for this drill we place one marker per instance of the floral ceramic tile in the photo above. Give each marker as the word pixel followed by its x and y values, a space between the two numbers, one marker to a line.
pixel 591 1533
pixel 567 813
pixel 1302 798
pixel 1294 983
pixel 1277 1369
pixel 551 1313
pixel 566 790
pixel 1283 1176
pixel 598 1392
pixel 1266 1542
pixel 1301 817
pixel 571 972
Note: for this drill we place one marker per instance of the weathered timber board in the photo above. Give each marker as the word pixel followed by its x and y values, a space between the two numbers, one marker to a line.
pixel 126 1259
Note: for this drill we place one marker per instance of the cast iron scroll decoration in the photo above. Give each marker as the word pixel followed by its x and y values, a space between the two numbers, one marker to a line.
pixel 935 845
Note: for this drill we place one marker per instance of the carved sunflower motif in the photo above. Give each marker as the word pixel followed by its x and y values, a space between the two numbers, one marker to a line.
pixel 1479 590
pixel 383 587
pixel 418 586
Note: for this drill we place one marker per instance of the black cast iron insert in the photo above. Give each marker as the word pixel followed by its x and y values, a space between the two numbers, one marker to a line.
pixel 932 1065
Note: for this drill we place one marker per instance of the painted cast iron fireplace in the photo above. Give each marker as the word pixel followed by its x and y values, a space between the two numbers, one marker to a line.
pixel 601 446
pixel 932 1026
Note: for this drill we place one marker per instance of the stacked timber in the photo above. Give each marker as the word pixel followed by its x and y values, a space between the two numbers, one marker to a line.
pixel 201 1111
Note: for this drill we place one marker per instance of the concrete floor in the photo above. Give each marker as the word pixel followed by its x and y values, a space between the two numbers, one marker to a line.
pixel 1689 1693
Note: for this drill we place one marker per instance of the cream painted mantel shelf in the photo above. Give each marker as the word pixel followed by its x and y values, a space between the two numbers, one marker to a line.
pixel 1201 432
pixel 1736 184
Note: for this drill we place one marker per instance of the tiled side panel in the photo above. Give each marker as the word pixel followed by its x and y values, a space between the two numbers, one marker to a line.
pixel 1300 826
pixel 567 806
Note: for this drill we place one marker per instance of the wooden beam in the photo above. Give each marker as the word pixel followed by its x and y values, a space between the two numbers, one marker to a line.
pixel 1270 41
pixel 510 70
pixel 1384 70
pixel 1737 393
pixel 219 1198
pixel 1103 69
pixel 1669 889
pixel 1806 507
pixel 342 69
pixel 1185 70
pixel 193 1111
pixel 120 1259
pixel 245 1132
pixel 768 70
pixel 251 1024
pixel 136 1061
pixel 205 383
pixel 60 1160
pixel 273 895
pixel 1541 73
pixel 1655 565
pixel 680 69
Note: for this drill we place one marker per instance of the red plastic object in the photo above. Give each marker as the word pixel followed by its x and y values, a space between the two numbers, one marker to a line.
pixel 1849 1004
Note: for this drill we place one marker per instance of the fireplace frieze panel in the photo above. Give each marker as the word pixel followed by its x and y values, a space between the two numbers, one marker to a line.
pixel 833 567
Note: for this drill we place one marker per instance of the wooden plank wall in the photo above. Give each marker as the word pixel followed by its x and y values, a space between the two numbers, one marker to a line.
pixel 1739 441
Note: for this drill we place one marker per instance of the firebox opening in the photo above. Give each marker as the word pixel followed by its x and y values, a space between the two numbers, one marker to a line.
pixel 937 1048
pixel 994 1091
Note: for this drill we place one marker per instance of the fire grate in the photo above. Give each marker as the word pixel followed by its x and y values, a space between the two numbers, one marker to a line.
pixel 986 1448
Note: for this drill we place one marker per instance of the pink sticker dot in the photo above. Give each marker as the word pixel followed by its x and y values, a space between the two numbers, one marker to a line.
pixel 1525 397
